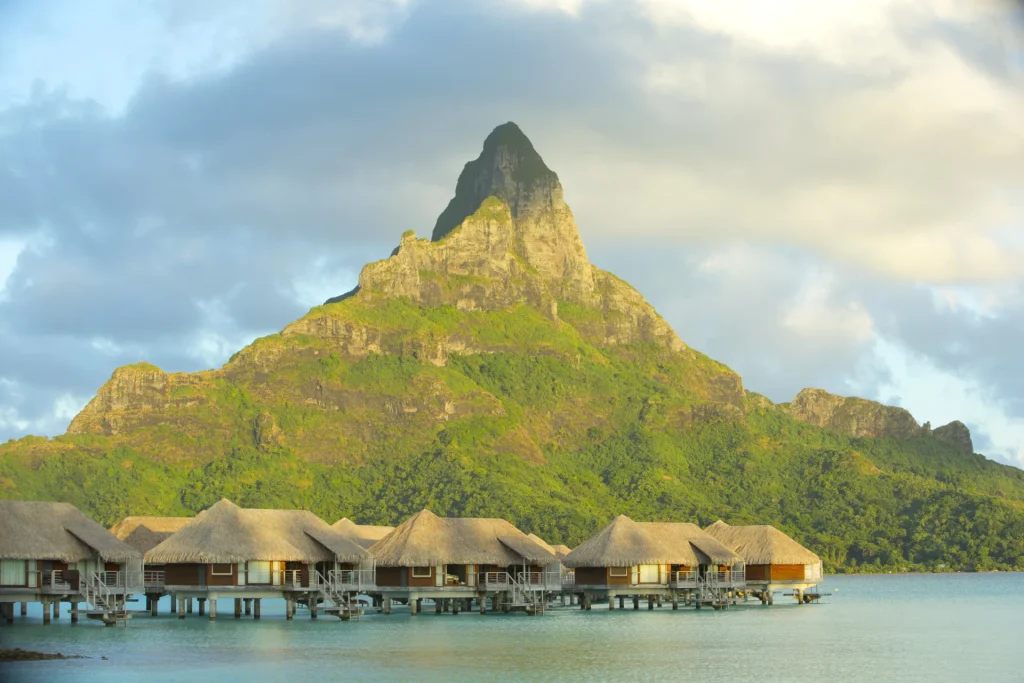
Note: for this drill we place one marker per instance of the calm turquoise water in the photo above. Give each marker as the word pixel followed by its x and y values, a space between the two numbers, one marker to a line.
pixel 966 627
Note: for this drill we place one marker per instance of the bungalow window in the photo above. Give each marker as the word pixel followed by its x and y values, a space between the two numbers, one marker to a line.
pixel 13 572
pixel 221 570
pixel 422 572
pixel 618 572
pixel 259 572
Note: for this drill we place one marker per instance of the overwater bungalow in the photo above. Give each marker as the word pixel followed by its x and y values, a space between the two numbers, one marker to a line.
pixel 249 555
pixel 454 561
pixel 774 561
pixel 363 534
pixel 143 534
pixel 52 553
pixel 657 560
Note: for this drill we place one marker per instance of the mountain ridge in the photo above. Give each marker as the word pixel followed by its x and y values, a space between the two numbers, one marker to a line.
pixel 494 370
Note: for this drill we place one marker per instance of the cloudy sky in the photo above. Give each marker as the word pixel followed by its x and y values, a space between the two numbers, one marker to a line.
pixel 822 194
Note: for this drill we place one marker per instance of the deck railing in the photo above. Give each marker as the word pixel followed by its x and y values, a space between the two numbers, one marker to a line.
pixel 111 579
pixel 153 577
pixel 494 580
pixel 730 578
pixel 548 581
pixel 569 580
pixel 354 579
pixel 684 579
pixel 52 580
pixel 292 578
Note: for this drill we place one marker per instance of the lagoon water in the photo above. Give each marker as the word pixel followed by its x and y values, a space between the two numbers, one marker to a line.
pixel 953 627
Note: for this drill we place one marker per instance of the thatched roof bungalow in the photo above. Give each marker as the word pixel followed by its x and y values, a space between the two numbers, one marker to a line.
pixel 770 555
pixel 627 553
pixel 41 543
pixel 145 533
pixel 363 534
pixel 430 551
pixel 231 546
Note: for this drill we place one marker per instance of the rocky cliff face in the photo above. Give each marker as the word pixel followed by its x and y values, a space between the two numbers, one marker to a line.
pixel 862 418
pixel 956 433
pixel 136 394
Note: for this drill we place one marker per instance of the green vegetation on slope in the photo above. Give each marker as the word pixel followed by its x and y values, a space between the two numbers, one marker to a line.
pixel 539 424
pixel 863 504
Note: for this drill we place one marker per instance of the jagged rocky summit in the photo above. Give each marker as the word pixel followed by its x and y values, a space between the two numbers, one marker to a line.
pixel 508 237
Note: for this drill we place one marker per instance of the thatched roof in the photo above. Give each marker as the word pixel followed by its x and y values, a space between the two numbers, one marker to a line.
pixel 56 531
pixel 625 543
pixel 226 533
pixel 145 533
pixel 559 551
pixel 428 540
pixel 762 544
pixel 703 546
pixel 363 534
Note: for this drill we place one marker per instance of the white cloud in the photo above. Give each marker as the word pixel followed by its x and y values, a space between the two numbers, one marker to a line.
pixel 934 395
pixel 819 320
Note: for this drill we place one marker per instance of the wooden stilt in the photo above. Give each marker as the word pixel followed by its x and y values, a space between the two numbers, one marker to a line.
pixel 622 602
pixel 289 609
pixel 46 611
pixel 174 603
pixel 154 606
pixel 675 601
pixel 188 605
pixel 7 612
pixel 238 608
pixel 24 609
pixel 414 606
pixel 636 602
pixel 455 606
pixel 659 600
pixel 387 605
pixel 611 603
pixel 248 606
pixel 56 609
pixel 650 602
pixel 181 608
pixel 74 613
pixel 313 607
pixel 256 608
pixel 202 606
pixel 483 603
pixel 213 609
